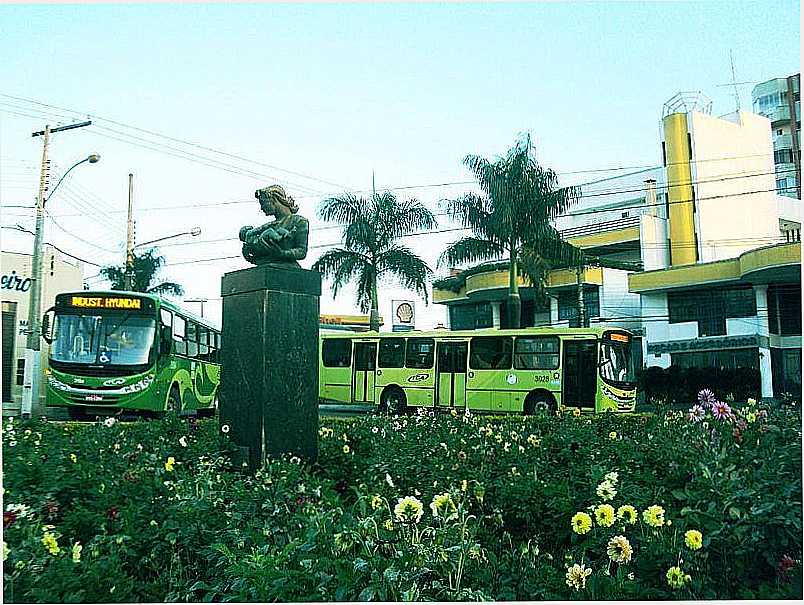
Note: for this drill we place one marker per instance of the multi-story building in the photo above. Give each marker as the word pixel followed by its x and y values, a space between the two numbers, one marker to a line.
pixel 58 275
pixel 710 254
pixel 779 101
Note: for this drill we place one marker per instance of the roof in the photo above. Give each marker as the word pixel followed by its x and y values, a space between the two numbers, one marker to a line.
pixel 596 331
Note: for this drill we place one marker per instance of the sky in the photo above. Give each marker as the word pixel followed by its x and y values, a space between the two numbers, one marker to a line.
pixel 206 103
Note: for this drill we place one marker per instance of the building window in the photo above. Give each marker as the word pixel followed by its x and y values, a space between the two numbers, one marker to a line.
pixel 20 372
pixel 779 132
pixel 784 309
pixel 711 307
pixel 568 305
pixel 783 156
pixel 470 317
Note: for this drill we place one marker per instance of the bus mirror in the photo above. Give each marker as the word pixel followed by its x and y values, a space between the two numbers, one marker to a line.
pixel 165 340
pixel 47 325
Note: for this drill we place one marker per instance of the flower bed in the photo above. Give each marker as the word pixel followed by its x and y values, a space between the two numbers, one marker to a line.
pixel 673 506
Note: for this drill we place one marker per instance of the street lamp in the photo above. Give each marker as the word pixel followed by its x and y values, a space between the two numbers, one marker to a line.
pixel 33 362
pixel 195 231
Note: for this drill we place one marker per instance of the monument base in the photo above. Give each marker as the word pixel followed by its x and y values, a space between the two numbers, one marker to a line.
pixel 269 361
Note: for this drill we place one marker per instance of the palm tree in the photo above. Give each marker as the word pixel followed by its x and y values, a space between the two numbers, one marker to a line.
pixel 370 249
pixel 512 219
pixel 143 278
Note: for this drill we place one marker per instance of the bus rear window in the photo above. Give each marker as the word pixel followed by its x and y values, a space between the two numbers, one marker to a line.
pixel 420 353
pixel 491 353
pixel 336 353
pixel 392 353
pixel 536 353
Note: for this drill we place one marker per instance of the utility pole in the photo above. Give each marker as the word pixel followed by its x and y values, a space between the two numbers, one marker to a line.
pixel 33 359
pixel 130 235
pixel 198 300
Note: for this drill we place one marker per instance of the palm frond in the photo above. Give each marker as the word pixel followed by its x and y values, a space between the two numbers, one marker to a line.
pixel 471 249
pixel 411 271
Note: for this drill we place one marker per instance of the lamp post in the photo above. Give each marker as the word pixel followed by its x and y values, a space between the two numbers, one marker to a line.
pixel 129 277
pixel 31 388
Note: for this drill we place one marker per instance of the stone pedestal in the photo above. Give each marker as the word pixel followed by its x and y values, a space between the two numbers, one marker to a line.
pixel 269 361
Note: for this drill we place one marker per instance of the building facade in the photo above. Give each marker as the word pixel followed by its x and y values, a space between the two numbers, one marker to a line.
pixel 58 275
pixel 710 255
pixel 779 100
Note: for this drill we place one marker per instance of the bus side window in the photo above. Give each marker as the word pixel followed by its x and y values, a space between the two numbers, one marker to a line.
pixel 420 353
pixel 536 353
pixel 215 357
pixel 392 353
pixel 203 344
pixel 336 353
pixel 490 353
pixel 192 339
pixel 178 334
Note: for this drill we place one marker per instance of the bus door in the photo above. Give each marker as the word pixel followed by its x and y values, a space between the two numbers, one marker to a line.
pixel 579 375
pixel 451 374
pixel 363 376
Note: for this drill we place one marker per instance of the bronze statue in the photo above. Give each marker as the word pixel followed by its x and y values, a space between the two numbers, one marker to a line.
pixel 283 241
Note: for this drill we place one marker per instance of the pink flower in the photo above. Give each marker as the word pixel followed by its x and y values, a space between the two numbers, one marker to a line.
pixel 721 410
pixel 706 397
pixel 697 413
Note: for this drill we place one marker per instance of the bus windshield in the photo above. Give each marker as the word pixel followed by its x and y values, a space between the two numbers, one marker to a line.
pixel 118 339
pixel 616 364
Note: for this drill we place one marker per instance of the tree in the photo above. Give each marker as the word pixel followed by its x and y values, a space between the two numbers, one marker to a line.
pixel 370 249
pixel 512 219
pixel 143 279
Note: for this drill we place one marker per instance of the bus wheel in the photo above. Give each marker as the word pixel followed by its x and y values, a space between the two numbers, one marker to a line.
pixel 173 405
pixel 539 403
pixel 393 401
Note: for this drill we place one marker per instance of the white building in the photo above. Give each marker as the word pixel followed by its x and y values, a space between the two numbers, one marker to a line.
pixel 58 275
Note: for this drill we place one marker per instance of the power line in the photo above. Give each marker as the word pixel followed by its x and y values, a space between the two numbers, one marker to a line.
pixel 19 228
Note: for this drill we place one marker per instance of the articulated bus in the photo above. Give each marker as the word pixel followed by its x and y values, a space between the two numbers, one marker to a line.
pixel 519 371
pixel 116 351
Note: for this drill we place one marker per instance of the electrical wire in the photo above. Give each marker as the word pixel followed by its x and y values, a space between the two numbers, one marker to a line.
pixel 78 258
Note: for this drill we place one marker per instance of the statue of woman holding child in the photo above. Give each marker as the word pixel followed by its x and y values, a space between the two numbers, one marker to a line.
pixel 282 241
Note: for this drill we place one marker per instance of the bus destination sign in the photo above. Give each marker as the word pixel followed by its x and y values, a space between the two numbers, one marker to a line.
pixel 106 302
pixel 618 337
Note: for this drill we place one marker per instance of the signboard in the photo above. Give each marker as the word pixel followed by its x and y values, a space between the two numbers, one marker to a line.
pixel 106 302
pixel 403 313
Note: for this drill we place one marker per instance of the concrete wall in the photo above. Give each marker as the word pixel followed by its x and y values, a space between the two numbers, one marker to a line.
pixel 730 221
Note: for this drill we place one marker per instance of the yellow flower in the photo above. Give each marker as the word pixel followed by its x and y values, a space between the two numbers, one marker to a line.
pixel 576 576
pixel 613 435
pixel 50 543
pixel 751 417
pixel 346 449
pixel 627 513
pixel 464 485
pixel 169 464
pixel 5 550
pixel 619 549
pixel 576 412
pixel 653 516
pixel 676 578
pixel 604 515
pixel 409 510
pixel 443 506
pixel 581 523
pixel 606 491
pixel 376 502
pixel 389 525
pixel 693 539
pixel 76 553
pixel 74 458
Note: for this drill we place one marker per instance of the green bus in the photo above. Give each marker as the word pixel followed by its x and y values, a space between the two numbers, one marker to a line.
pixel 518 371
pixel 117 351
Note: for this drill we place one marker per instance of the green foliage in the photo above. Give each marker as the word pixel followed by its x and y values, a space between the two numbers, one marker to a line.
pixel 371 230
pixel 144 275
pixel 161 513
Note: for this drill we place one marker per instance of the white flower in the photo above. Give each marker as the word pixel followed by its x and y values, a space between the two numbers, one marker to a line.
pixel 612 477
pixel 109 422
pixel 225 428
pixel 389 481
pixel 183 441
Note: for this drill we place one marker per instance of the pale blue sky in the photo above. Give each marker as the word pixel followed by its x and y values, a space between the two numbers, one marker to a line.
pixel 336 91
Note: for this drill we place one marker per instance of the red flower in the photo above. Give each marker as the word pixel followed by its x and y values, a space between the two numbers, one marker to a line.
pixel 112 513
pixel 8 519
